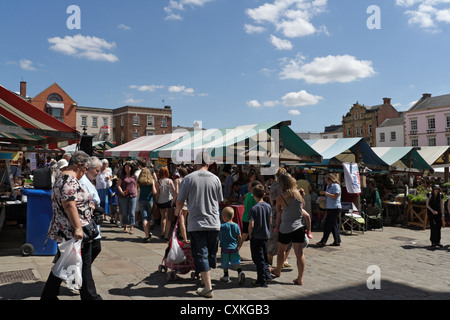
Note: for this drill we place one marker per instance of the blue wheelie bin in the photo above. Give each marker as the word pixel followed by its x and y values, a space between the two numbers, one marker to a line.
pixel 39 214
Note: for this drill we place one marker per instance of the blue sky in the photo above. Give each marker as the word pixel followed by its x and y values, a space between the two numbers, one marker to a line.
pixel 230 62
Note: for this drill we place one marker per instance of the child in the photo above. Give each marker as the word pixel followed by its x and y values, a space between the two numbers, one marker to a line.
pixel 230 235
pixel 259 232
pixel 113 191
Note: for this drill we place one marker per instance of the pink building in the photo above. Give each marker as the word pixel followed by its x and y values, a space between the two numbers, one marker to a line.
pixel 427 122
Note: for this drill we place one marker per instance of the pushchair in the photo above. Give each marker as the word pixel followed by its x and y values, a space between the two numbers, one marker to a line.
pixel 182 267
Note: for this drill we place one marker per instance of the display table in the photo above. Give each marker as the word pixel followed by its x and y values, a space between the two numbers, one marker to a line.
pixel 393 210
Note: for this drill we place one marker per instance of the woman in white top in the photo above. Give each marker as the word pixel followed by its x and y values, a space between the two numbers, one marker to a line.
pixel 166 194
pixel 101 184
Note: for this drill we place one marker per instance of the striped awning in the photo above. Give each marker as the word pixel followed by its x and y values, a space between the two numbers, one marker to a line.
pixel 230 145
pixel 21 123
pixel 141 147
pixel 402 157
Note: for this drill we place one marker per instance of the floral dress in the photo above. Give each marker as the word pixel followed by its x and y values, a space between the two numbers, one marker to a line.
pixel 68 188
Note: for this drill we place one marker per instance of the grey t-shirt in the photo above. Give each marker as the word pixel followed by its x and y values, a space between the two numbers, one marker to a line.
pixel 203 192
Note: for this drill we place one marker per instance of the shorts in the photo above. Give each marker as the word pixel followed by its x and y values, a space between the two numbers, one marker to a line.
pixel 204 246
pixel 229 258
pixel 165 205
pixel 297 236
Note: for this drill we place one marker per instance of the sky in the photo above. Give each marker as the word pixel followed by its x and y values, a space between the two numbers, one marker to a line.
pixel 230 62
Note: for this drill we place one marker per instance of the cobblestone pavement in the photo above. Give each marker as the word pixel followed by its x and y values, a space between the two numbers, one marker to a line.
pixel 127 269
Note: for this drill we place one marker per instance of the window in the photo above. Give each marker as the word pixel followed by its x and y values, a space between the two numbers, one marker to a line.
pixel 150 120
pixel 448 140
pixel 413 125
pixel 83 121
pixel 136 120
pixel 163 122
pixel 58 113
pixel 369 129
pixel 55 97
pixel 105 122
pixel 349 132
pixel 122 121
pixel 414 142
pixel 431 141
pixel 393 136
pixel 431 123
pixel 135 135
pixel 150 133
pixel 448 122
pixel 95 122
pixel 114 122
pixel 355 116
pixel 382 137
pixel 360 115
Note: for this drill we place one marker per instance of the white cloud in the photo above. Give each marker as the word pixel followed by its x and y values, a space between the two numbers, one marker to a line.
pixel 91 48
pixel 254 104
pixel 294 112
pixel 124 27
pixel 26 64
pixel 328 69
pixel 280 44
pixel 148 88
pixel 175 6
pixel 181 89
pixel 134 101
pixel 251 29
pixel 293 18
pixel 427 14
pixel 300 98
pixel 271 103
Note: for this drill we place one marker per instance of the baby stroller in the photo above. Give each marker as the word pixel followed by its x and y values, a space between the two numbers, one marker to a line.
pixel 180 265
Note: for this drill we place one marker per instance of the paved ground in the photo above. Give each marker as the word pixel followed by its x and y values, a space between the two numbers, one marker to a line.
pixel 127 269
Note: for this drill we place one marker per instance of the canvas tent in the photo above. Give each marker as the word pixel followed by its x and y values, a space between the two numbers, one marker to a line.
pixel 22 124
pixel 141 147
pixel 402 158
pixel 98 146
pixel 229 145
pixel 355 150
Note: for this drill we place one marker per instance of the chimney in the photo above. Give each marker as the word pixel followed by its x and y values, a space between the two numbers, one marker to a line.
pixel 387 100
pixel 426 95
pixel 23 89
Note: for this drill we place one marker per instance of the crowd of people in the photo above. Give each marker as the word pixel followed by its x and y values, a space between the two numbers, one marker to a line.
pixel 276 218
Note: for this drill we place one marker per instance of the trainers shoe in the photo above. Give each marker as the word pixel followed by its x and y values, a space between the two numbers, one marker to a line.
pixel 241 278
pixel 205 293
pixel 225 278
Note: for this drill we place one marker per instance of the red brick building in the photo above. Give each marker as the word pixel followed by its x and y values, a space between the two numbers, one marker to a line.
pixel 131 122
pixel 56 102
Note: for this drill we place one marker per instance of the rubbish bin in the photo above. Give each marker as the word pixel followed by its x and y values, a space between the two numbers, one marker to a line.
pixel 39 214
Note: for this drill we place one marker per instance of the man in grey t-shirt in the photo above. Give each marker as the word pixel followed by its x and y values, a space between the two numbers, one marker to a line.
pixel 203 192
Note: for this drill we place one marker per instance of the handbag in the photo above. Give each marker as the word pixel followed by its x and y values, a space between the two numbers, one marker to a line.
pixel 90 231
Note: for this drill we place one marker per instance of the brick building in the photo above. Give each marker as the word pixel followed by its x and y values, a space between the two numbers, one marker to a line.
pixel 56 102
pixel 131 122
pixel 362 121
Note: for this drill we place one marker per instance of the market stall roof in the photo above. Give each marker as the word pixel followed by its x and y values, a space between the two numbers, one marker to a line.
pixel 21 123
pixel 401 157
pixel 97 145
pixel 225 145
pixel 434 156
pixel 141 147
pixel 337 151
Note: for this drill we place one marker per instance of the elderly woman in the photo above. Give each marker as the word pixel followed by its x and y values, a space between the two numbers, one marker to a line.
pixel 333 207
pixel 72 209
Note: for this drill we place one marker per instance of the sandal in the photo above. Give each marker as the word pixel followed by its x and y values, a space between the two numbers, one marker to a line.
pixel 204 293
pixel 296 282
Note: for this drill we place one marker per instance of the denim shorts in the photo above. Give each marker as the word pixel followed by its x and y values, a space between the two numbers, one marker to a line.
pixel 145 208
pixel 204 246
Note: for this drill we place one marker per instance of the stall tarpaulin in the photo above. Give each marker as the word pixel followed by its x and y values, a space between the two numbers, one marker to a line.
pixel 352 178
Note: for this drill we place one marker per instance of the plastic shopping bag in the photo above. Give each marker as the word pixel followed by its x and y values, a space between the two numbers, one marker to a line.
pixel 68 266
pixel 176 254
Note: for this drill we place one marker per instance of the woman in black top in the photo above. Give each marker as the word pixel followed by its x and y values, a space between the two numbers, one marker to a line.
pixel 436 217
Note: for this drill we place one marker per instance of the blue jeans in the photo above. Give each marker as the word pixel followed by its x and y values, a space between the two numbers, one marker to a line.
pixel 204 245
pixel 127 209
pixel 145 208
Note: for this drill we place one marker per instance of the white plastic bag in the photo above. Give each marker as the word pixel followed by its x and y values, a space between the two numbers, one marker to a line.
pixel 68 266
pixel 176 254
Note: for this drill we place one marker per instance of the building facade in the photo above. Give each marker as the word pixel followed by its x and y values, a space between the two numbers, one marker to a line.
pixel 332 132
pixel 56 102
pixel 427 122
pixel 391 133
pixel 362 121
pixel 131 122
pixel 96 122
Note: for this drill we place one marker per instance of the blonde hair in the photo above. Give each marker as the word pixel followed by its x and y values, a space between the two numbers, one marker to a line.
pixel 145 178
pixel 287 184
pixel 228 213
pixel 280 171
